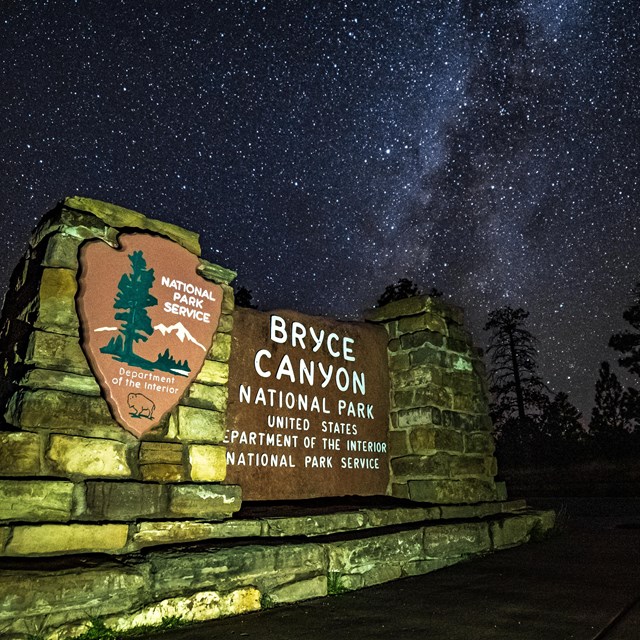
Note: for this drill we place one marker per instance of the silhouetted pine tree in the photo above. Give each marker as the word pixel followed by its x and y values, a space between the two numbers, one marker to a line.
pixel 404 288
pixel 243 298
pixel 561 436
pixel 519 395
pixel 628 342
pixel 610 424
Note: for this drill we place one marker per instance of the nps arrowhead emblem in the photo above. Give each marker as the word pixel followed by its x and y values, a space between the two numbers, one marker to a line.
pixel 147 321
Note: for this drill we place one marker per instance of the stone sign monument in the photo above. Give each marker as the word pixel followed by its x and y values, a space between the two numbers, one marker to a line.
pixel 114 320
pixel 308 407
pixel 147 320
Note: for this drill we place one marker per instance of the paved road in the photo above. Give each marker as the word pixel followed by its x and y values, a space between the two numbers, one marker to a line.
pixel 582 584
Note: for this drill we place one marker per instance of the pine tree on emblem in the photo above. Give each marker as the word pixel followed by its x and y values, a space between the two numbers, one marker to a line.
pixel 133 298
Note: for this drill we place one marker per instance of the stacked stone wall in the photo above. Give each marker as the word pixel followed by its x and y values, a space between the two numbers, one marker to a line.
pixel 441 446
pixel 63 458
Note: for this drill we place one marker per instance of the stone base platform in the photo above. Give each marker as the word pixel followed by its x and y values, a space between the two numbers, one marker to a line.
pixel 248 563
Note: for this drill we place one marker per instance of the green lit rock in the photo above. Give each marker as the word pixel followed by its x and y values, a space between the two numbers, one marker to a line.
pixel 66 412
pixel 36 500
pixel 315 587
pixel 207 463
pixel 213 373
pixel 225 324
pixel 119 217
pixel 209 397
pixel 176 532
pixel 92 457
pixel 512 531
pixel 160 452
pixel 479 443
pixel 462 539
pixel 317 525
pixel 215 273
pixel 62 251
pixel 60 381
pixel 200 425
pixel 56 310
pixel 126 500
pixel 221 348
pixel 20 453
pixel 67 538
pixel 56 351
pixel 204 501
pixel 426 440
pixel 463 491
pixel 429 321
pixel 436 465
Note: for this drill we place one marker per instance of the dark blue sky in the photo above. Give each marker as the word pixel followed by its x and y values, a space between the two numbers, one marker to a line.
pixel 324 150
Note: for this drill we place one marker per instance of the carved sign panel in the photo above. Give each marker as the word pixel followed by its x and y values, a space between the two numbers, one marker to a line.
pixel 308 407
pixel 147 321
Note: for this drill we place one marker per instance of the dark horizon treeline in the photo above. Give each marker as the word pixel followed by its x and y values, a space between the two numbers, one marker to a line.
pixel 534 427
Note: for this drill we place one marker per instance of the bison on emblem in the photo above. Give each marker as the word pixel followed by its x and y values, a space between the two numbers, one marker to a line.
pixel 141 406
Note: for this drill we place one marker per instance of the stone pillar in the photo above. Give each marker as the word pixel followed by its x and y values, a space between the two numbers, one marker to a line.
pixel 62 455
pixel 441 446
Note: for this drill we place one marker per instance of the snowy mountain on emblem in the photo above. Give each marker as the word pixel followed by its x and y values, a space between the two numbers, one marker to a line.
pixel 180 331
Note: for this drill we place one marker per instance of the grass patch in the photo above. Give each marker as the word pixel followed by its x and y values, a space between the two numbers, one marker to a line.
pixel 334 583
pixel 98 630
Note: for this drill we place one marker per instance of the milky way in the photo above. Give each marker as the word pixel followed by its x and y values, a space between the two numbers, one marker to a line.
pixel 324 150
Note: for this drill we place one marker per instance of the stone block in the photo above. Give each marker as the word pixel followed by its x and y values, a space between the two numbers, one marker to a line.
pixel 479 443
pixel 20 453
pixel 225 324
pixel 436 465
pixel 455 540
pixel 36 500
pixel 430 321
pixel 512 530
pixel 204 501
pixel 126 500
pixel 206 397
pixel 207 463
pixel 62 252
pixel 465 491
pixel 156 533
pixel 221 348
pixel 405 307
pixel 119 217
pixel 427 356
pixel 315 587
pixel 201 425
pixel 416 416
pixel 400 490
pixel 5 534
pixel 317 525
pixel 398 444
pixel 399 362
pixel 416 377
pixel 228 301
pixel 160 452
pixel 421 338
pixel 198 607
pixel 74 595
pixel 425 396
pixel 55 351
pixel 427 439
pixel 364 553
pixel 56 302
pixel 60 381
pixel 60 410
pixel 161 472
pixel 91 457
pixel 461 382
pixel 58 539
pixel 215 273
pixel 380 574
pixel 466 465
pixel 470 403
pixel 213 373
pixel 77 224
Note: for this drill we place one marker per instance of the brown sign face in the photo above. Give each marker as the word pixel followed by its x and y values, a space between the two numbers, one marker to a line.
pixel 147 322
pixel 308 407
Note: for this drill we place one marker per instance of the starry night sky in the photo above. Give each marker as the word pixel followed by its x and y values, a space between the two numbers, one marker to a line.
pixel 325 149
